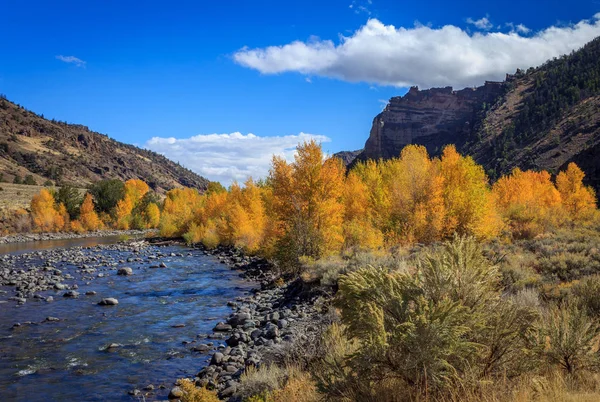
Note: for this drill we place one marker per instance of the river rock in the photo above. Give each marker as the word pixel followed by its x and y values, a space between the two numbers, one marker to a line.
pixel 125 271
pixel 109 301
pixel 203 348
pixel 72 294
pixel 217 358
pixel 222 327
pixel 175 393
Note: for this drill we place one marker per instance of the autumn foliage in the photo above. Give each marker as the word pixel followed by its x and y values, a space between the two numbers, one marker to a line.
pixel 134 210
pixel 48 216
pixel 312 207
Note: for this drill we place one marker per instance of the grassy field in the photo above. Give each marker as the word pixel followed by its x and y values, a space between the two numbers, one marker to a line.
pixel 14 196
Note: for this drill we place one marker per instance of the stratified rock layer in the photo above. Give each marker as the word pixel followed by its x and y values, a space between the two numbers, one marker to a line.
pixel 433 118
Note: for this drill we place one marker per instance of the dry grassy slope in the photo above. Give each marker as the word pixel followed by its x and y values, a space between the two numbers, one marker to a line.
pixel 30 144
pixel 15 196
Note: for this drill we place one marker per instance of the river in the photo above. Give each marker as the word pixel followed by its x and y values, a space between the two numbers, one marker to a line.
pixel 69 360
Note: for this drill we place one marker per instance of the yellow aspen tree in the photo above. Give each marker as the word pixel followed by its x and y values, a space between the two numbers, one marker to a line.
pixel 123 212
pixel 371 174
pixel 308 202
pixel 578 199
pixel 152 215
pixel 360 232
pixel 470 207
pixel 179 211
pixel 416 195
pixel 528 202
pixel 87 215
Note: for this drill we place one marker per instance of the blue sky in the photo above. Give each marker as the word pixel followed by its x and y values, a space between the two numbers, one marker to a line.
pixel 193 74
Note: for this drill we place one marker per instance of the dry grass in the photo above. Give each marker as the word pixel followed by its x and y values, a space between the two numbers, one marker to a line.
pixel 15 196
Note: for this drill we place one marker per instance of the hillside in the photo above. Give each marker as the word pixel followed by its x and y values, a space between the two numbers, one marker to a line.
pixel 544 118
pixel 71 153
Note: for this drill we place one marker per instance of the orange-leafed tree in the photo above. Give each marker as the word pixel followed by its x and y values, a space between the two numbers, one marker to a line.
pixel 307 199
pixel 123 212
pixel 360 230
pixel 578 200
pixel 46 215
pixel 246 216
pixel 88 218
pixel 178 211
pixel 529 202
pixel 372 175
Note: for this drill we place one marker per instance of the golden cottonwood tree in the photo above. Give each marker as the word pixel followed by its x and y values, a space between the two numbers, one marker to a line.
pixel 178 211
pixel 528 202
pixel 416 195
pixel 152 216
pixel 46 215
pixel 360 231
pixel 470 207
pixel 134 192
pixel 578 200
pixel 308 202
pixel 88 218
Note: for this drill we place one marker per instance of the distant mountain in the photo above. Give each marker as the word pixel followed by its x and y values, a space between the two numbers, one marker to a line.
pixel 348 156
pixel 71 153
pixel 540 119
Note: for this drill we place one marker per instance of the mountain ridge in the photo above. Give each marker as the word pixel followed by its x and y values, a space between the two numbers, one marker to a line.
pixel 542 118
pixel 74 154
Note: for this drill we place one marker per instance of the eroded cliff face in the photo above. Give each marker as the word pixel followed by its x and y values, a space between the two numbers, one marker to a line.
pixel 433 118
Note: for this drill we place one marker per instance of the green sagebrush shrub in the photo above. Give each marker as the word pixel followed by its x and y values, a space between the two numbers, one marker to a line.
pixel 441 324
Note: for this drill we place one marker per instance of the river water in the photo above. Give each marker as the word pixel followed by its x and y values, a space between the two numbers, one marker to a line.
pixel 68 359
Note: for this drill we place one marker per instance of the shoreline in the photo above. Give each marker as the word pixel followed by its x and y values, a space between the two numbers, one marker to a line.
pixel 269 326
pixel 34 237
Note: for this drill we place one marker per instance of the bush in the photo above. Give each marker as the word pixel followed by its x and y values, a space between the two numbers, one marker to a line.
pixel 568 337
pixel 588 295
pixel 260 381
pixel 441 325
pixel 191 393
pixel 29 180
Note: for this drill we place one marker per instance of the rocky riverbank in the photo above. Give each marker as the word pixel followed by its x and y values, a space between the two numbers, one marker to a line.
pixel 266 327
pixel 27 237
pixel 28 275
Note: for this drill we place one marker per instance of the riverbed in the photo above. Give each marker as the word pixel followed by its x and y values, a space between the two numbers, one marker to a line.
pixel 60 349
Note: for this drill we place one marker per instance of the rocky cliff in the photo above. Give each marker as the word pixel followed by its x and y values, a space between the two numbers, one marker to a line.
pixel 543 118
pixel 433 118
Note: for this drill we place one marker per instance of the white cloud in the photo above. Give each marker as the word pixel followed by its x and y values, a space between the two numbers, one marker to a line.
pixel 421 55
pixel 228 157
pixel 482 23
pixel 361 6
pixel 72 60
pixel 520 28
pixel 523 29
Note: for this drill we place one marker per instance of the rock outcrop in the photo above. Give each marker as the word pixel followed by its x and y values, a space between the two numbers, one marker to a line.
pixel 433 118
